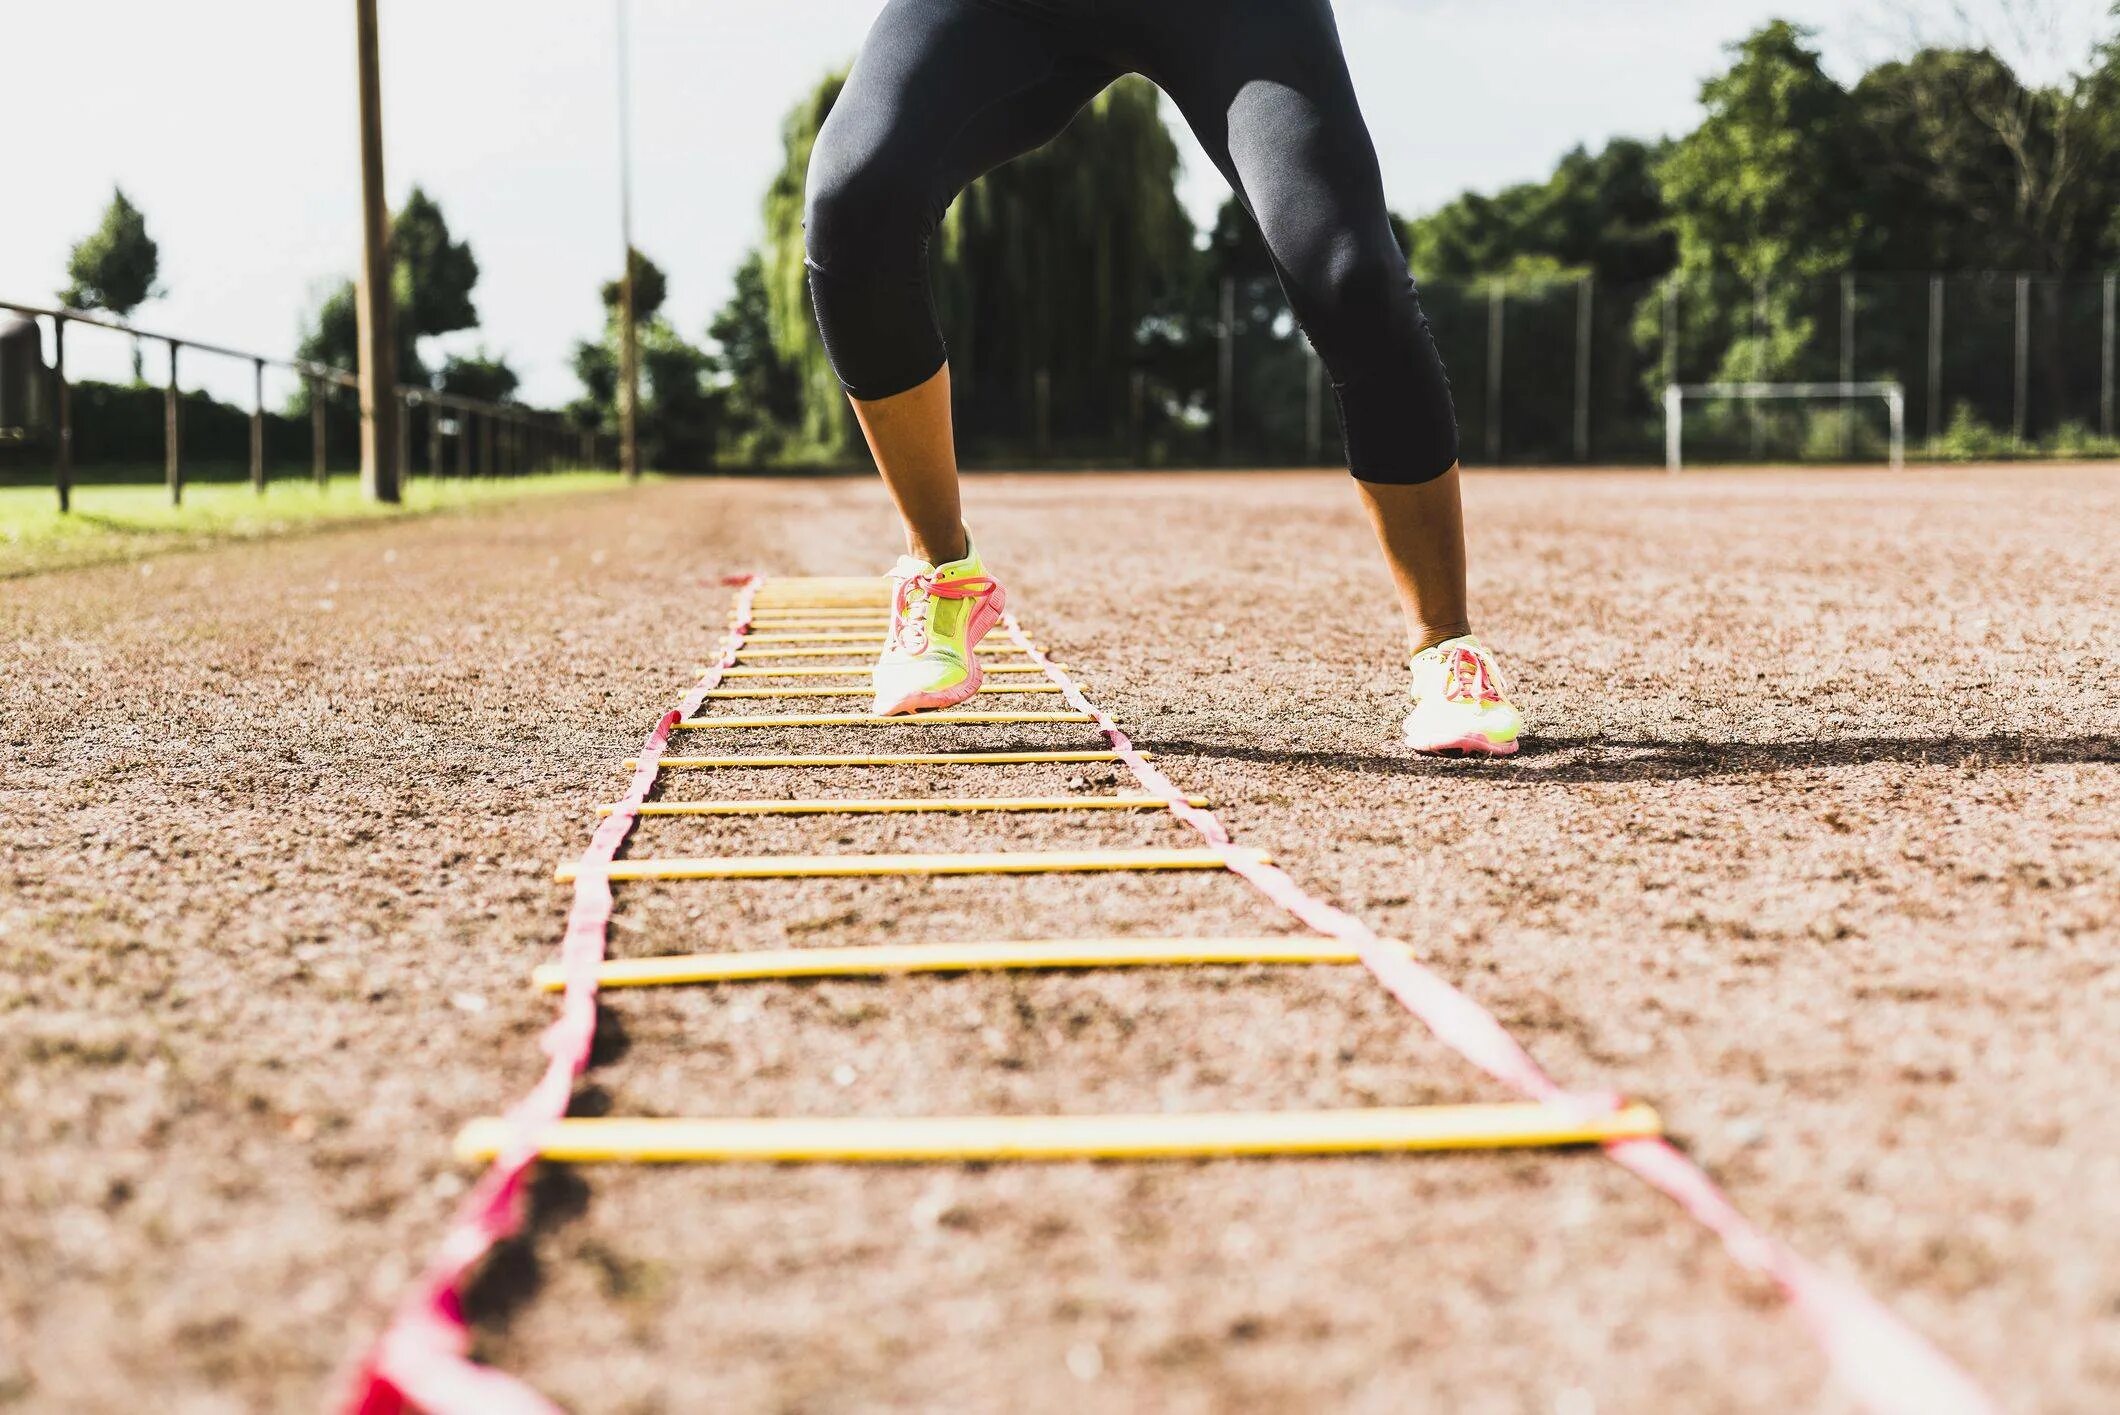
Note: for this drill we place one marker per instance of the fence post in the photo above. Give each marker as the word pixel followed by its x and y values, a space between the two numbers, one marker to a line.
pixel 62 420
pixel 404 434
pixel 257 426
pixel 2020 418
pixel 2108 355
pixel 463 443
pixel 1496 307
pixel 1935 361
pixel 173 434
pixel 485 443
pixel 1226 371
pixel 318 469
pixel 1136 416
pixel 1671 331
pixel 434 437
pixel 1847 362
pixel 1583 313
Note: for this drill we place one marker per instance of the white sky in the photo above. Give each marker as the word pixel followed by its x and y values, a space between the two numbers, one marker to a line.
pixel 231 123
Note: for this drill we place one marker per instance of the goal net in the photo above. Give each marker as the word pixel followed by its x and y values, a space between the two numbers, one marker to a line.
pixel 1678 395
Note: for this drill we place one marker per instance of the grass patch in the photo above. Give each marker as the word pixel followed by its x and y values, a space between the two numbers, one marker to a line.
pixel 115 523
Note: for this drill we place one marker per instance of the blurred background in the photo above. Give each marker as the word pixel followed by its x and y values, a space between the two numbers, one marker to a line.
pixel 1596 204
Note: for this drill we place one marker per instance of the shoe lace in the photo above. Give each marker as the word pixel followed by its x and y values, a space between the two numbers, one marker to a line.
pixel 1469 678
pixel 912 604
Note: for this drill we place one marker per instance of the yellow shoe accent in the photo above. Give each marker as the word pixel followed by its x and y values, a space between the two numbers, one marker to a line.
pixel 939 613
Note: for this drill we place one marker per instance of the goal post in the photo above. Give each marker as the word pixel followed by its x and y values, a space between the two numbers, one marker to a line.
pixel 1677 395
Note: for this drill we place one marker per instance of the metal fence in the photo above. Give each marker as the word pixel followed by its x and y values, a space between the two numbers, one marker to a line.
pixel 440 433
pixel 1548 372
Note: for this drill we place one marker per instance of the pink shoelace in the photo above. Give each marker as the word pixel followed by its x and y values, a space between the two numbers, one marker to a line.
pixel 1469 679
pixel 909 620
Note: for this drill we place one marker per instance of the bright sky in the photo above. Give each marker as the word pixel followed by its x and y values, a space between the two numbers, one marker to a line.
pixel 232 125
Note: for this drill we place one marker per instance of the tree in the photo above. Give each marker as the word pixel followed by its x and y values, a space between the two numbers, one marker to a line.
pixel 481 375
pixel 650 288
pixel 431 280
pixel 115 268
pixel 432 275
pixel 679 411
pixel 761 397
pixel 1599 212
pixel 1765 197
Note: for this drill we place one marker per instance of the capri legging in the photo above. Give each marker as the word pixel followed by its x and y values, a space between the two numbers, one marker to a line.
pixel 945 90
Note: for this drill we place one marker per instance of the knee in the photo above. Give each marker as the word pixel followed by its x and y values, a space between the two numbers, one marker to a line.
pixel 858 207
pixel 1358 299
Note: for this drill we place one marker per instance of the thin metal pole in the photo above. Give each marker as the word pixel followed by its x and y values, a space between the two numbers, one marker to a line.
pixel 403 407
pixel 1226 371
pixel 1136 407
pixel 2107 356
pixel 1671 332
pixel 2021 416
pixel 173 434
pixel 1583 313
pixel 628 334
pixel 1496 309
pixel 1847 362
pixel 257 426
pixel 1314 410
pixel 378 352
pixel 319 465
pixel 1935 360
pixel 62 420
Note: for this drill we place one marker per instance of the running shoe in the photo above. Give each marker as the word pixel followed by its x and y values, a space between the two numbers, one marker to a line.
pixel 939 613
pixel 1459 704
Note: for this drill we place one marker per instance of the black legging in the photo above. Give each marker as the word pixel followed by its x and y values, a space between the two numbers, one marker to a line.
pixel 946 90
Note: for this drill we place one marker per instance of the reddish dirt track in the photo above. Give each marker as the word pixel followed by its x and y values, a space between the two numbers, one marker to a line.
pixel 1817 847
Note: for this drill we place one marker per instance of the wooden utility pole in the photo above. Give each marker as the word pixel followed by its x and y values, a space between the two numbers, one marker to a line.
pixel 628 332
pixel 378 364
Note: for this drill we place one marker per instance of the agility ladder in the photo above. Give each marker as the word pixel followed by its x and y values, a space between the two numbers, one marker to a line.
pixel 422 1362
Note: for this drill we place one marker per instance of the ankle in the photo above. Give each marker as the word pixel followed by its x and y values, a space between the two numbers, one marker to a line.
pixel 1427 636
pixel 942 549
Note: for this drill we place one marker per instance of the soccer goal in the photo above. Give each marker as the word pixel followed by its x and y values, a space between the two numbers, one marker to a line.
pixel 1679 394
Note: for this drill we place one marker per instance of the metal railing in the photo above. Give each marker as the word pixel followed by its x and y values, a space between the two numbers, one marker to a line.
pixel 509 439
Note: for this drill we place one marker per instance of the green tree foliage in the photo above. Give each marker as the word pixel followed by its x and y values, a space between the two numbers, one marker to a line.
pixel 1599 212
pixel 679 408
pixel 432 277
pixel 115 268
pixel 761 391
pixel 480 375
pixel 651 287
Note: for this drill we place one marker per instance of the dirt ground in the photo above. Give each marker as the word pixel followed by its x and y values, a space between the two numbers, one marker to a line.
pixel 1817 847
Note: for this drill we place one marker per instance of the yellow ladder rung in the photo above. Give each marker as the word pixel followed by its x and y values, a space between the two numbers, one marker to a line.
pixel 872 960
pixel 745 654
pixel 827 620
pixel 1023 862
pixel 827 670
pixel 832 636
pixel 980 1139
pixel 887 759
pixel 862 719
pixel 958 805
pixel 863 690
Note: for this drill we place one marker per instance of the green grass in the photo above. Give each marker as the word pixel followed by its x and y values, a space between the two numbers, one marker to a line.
pixel 112 523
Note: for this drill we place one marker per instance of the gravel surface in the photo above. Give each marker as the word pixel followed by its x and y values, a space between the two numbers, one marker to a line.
pixel 1817 847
